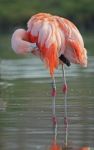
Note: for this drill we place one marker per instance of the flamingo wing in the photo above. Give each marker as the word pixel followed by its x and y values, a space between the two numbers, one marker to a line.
pixel 74 51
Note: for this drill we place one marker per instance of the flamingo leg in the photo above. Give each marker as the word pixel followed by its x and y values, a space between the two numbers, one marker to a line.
pixel 64 89
pixel 54 145
pixel 54 119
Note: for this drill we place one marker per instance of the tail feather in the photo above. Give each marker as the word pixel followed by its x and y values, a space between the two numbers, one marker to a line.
pixel 79 52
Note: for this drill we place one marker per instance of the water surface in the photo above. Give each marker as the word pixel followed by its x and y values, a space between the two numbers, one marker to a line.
pixel 25 105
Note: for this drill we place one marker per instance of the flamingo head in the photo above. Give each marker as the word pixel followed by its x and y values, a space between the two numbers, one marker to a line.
pixel 20 42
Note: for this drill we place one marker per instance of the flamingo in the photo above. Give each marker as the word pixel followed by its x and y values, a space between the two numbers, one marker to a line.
pixel 55 40
pixel 50 37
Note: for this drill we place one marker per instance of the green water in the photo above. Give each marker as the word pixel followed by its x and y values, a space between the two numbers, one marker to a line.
pixel 25 101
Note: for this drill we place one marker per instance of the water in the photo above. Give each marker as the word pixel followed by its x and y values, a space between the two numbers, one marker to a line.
pixel 25 105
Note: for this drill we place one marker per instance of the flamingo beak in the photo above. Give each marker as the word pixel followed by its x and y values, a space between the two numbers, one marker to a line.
pixel 65 60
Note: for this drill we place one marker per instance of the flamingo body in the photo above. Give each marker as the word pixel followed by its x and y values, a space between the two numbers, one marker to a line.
pixel 52 36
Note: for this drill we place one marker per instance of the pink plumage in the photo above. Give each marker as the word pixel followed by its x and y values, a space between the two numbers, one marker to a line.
pixel 48 37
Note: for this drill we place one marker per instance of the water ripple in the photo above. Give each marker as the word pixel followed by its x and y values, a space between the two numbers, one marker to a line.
pixel 34 68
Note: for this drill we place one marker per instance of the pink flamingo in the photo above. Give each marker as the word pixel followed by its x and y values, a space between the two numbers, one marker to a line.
pixel 50 36
pixel 56 41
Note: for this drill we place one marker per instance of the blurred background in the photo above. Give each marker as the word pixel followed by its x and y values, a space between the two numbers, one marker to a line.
pixel 15 14
pixel 25 108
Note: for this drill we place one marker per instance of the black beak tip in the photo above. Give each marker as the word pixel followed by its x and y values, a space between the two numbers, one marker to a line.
pixel 65 60
pixel 68 64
